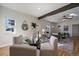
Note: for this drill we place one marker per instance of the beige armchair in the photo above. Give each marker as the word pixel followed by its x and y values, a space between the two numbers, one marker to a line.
pixel 49 48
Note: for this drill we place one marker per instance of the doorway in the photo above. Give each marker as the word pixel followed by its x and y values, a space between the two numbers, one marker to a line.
pixel 75 30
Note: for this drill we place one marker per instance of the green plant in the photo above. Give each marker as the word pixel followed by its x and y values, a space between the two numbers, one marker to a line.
pixel 28 41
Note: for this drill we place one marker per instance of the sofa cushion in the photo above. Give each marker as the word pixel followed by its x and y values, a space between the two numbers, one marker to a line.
pixel 18 40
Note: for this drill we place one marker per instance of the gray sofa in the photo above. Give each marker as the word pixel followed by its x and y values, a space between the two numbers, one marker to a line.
pixel 20 49
pixel 23 50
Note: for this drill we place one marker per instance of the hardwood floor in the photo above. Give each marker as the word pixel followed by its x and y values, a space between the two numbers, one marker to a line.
pixel 76 46
pixel 75 52
pixel 62 52
pixel 4 51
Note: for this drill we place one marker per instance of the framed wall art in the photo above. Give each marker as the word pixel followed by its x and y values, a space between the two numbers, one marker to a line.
pixel 10 25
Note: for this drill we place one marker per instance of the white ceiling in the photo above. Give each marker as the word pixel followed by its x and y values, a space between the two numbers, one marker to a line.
pixel 58 17
pixel 32 8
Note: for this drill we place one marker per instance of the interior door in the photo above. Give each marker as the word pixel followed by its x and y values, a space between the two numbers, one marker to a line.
pixel 75 30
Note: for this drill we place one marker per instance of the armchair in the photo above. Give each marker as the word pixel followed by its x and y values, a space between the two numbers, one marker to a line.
pixel 49 48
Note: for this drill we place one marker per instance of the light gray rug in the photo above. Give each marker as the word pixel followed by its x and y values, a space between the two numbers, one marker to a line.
pixel 68 46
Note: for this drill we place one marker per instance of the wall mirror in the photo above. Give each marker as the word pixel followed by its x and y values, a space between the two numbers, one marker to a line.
pixel 24 26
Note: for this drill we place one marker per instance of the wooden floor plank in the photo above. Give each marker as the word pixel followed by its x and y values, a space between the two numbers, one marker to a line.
pixel 4 51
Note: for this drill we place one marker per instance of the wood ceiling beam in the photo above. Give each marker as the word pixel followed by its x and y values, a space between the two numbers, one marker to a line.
pixel 67 7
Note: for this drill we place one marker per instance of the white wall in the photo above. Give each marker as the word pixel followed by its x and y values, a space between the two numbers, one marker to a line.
pixel 7 38
pixel 44 23
pixel 68 23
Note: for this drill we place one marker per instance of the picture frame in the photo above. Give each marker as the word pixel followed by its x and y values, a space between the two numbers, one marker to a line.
pixel 10 25
pixel 66 28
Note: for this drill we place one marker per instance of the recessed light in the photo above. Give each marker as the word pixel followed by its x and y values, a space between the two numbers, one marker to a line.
pixel 73 14
pixel 38 8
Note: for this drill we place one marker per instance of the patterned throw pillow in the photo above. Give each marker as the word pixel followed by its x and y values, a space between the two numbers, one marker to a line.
pixel 44 39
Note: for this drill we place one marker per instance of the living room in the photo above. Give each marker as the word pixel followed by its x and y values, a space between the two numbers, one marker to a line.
pixel 25 20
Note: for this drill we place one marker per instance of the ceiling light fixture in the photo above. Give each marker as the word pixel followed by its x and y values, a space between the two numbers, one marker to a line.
pixel 64 19
pixel 73 14
pixel 39 8
pixel 69 16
